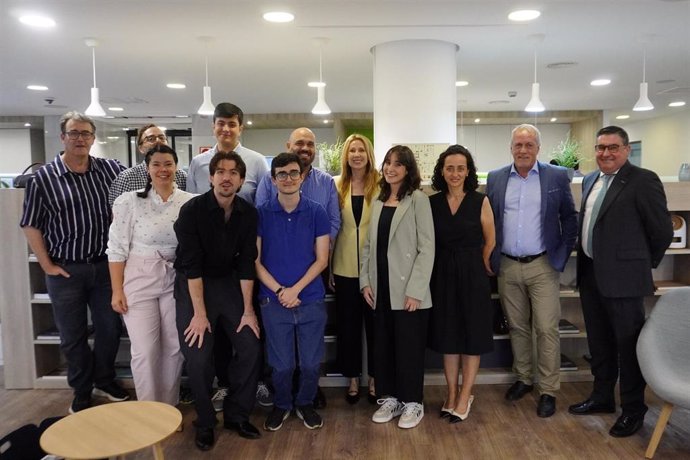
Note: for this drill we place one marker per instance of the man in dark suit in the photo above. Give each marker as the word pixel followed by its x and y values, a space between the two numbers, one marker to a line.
pixel 623 235
pixel 536 226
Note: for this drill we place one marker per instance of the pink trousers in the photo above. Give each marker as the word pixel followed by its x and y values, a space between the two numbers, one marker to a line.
pixel 150 320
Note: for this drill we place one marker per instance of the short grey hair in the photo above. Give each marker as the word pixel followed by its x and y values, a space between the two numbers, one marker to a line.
pixel 526 127
pixel 76 116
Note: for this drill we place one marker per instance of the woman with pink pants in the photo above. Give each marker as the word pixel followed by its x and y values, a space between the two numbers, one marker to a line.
pixel 141 251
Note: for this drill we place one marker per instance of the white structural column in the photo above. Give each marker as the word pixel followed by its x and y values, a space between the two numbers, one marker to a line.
pixel 415 97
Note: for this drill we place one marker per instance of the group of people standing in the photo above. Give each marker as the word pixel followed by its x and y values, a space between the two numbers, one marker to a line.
pixel 180 269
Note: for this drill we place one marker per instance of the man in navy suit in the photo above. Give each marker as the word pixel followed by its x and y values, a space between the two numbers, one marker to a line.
pixel 536 226
pixel 625 229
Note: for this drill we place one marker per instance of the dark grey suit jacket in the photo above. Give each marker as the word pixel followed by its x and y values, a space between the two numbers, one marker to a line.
pixel 631 233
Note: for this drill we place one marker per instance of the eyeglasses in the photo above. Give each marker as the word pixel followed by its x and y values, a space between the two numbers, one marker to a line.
pixel 74 135
pixel 282 176
pixel 155 137
pixel 601 148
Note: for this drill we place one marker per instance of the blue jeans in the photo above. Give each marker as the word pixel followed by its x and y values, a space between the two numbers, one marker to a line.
pixel 88 285
pixel 281 325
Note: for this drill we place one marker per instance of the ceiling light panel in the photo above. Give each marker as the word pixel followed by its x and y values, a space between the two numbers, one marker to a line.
pixel 35 20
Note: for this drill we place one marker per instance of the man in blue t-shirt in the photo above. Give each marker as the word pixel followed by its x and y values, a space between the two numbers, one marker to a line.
pixel 292 242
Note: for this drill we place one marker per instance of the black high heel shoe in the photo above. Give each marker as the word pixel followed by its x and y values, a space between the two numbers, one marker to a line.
pixel 352 396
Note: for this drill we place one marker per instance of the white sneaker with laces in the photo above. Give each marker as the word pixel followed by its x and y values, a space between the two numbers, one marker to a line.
pixel 218 398
pixel 390 408
pixel 412 414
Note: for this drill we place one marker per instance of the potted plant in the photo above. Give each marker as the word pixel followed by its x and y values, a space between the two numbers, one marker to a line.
pixel 330 155
pixel 567 154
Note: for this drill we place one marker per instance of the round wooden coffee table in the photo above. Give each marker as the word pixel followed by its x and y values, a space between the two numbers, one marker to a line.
pixel 112 430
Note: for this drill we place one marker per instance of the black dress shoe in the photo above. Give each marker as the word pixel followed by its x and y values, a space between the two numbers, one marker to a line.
pixel 319 399
pixel 372 398
pixel 547 406
pixel 244 429
pixel 518 390
pixel 626 425
pixel 591 407
pixel 204 438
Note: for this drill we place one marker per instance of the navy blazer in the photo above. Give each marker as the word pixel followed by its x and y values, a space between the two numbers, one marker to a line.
pixel 631 234
pixel 558 214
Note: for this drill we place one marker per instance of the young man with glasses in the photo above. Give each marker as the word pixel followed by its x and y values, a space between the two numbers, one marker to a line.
pixel 292 242
pixel 625 229
pixel 66 219
pixel 136 177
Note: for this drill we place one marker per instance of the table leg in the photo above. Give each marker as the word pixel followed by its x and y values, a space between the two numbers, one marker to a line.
pixel 157 451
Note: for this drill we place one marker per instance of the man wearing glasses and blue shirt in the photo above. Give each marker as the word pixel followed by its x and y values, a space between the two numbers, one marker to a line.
pixel 66 219
pixel 292 242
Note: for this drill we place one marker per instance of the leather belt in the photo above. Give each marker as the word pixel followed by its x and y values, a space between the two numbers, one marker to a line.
pixel 524 259
pixel 88 260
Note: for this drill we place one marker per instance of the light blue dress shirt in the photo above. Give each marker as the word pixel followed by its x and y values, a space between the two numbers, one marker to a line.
pixel 522 226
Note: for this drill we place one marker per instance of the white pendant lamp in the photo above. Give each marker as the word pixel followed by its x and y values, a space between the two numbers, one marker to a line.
pixel 534 104
pixel 94 109
pixel 320 108
pixel 643 103
pixel 207 106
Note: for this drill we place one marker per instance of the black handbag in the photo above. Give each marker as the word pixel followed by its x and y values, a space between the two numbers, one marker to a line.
pixel 22 180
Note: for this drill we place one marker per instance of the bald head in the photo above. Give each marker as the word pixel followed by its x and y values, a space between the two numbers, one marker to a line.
pixel 303 143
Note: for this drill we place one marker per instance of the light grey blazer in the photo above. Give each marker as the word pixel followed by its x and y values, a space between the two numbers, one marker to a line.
pixel 411 246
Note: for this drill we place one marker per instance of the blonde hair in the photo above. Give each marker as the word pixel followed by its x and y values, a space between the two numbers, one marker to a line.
pixel 371 175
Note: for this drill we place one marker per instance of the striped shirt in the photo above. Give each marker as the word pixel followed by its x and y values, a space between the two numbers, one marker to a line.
pixel 71 209
pixel 136 178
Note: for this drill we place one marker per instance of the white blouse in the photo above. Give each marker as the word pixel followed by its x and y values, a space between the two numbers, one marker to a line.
pixel 144 226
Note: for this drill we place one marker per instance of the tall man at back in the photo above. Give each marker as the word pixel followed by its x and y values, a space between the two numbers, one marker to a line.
pixel 228 125
pixel 536 226
pixel 66 219
pixel 625 228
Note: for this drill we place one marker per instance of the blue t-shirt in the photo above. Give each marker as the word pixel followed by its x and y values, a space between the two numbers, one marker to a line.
pixel 287 244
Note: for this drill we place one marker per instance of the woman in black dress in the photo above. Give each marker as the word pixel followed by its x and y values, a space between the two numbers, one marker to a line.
pixel 461 320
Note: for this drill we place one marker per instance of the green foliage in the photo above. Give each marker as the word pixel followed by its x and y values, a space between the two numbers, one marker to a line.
pixel 330 156
pixel 567 153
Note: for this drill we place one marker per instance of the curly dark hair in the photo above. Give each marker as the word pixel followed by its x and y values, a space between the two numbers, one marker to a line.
pixel 412 179
pixel 438 183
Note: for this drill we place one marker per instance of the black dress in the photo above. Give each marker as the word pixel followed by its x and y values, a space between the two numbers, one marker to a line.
pixel 462 317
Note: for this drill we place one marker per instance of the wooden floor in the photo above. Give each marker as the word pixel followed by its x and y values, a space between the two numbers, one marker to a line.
pixel 494 430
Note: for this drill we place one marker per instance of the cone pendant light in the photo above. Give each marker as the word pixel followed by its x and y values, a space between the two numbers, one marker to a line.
pixel 643 103
pixel 534 104
pixel 94 109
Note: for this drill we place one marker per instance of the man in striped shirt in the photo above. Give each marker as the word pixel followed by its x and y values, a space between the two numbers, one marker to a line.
pixel 66 219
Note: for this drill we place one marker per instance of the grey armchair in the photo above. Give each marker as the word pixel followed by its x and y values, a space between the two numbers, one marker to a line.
pixel 663 350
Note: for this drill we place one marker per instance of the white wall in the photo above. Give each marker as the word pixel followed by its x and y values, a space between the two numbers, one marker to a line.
pixel 15 150
pixel 490 144
pixel 665 141
pixel 271 142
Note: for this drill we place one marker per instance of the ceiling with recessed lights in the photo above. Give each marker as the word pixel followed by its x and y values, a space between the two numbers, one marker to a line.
pixel 265 67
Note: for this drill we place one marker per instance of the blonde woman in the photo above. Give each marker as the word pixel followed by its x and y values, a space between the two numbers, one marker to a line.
pixel 357 187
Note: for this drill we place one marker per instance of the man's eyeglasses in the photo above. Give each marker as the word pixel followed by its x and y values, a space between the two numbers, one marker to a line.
pixel 282 176
pixel 153 138
pixel 613 148
pixel 74 135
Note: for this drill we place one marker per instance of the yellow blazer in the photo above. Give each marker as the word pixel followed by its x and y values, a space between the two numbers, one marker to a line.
pixel 350 241
pixel 411 248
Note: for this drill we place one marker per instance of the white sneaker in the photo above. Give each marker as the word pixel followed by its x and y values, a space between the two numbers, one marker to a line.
pixel 411 415
pixel 390 408
pixel 218 398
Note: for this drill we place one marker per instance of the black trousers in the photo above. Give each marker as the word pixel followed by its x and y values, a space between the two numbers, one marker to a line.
pixel 224 309
pixel 613 326
pixel 399 348
pixel 351 309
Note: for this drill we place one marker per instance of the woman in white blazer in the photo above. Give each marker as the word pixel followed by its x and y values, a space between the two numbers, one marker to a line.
pixel 397 261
